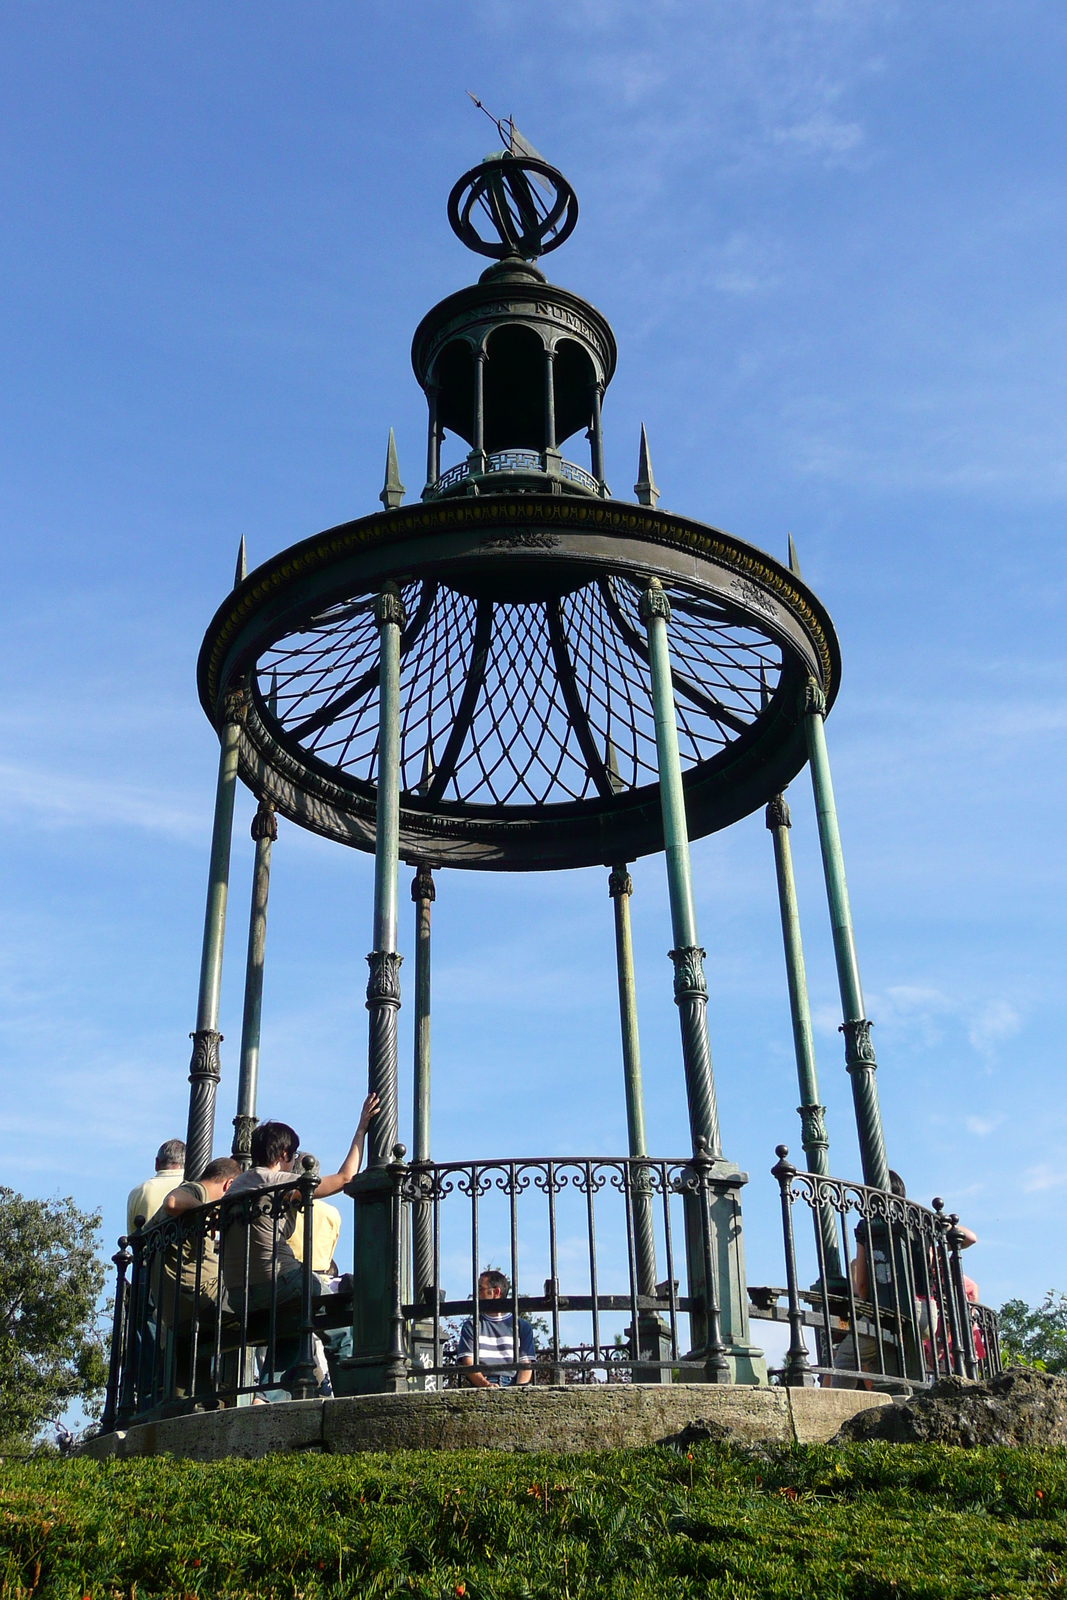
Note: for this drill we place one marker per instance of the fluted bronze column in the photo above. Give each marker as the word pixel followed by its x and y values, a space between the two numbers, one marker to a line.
pixel 859 1051
pixel 813 1134
pixel 205 1069
pixel 424 894
pixel 265 833
pixel 620 888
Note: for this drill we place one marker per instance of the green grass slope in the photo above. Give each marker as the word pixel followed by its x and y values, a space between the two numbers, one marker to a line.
pixel 868 1522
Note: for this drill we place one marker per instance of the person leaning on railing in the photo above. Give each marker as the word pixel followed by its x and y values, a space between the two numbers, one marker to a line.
pixel 872 1249
pixel 199 1268
pixel 274 1156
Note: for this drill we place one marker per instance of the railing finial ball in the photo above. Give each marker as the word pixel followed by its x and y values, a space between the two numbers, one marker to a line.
pixel 399 1152
pixel 781 1151
pixel 937 1203
pixel 307 1163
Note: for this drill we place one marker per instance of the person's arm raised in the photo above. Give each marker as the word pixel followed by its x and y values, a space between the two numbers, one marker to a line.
pixel 334 1182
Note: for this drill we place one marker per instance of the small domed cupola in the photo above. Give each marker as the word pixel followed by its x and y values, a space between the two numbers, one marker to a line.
pixel 514 365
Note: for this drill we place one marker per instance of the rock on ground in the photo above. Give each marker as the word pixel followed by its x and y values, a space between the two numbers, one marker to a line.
pixel 1020 1408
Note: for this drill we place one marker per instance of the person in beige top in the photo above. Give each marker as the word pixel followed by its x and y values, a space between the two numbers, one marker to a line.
pixel 146 1199
pixel 325 1224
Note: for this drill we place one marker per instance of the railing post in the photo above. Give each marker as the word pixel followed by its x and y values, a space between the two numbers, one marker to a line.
pixel 396 1372
pixel 127 1407
pixel 114 1367
pixel 305 1383
pixel 716 1366
pixel 859 1051
pixel 966 1334
pixel 264 832
pixel 204 1070
pixel 728 1290
pixel 596 440
pixel 797 1370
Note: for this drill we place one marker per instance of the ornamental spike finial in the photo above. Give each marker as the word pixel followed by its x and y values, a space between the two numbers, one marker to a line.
pixel 272 698
pixel 427 767
pixel 392 490
pixel 611 767
pixel 645 487
pixel 241 569
pixel 794 559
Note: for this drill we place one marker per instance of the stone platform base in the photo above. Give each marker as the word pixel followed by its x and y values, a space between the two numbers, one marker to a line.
pixel 600 1417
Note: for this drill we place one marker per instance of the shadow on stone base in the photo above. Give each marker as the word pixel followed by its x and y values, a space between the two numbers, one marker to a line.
pixel 601 1417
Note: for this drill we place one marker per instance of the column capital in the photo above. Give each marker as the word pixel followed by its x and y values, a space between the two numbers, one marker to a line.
pixel 859 1051
pixel 777 813
pixel 689 980
pixel 422 884
pixel 813 1134
pixel 235 704
pixel 383 985
pixel 654 603
pixel 388 606
pixel 812 699
pixel 264 823
pixel 620 883
pixel 242 1138
pixel 205 1060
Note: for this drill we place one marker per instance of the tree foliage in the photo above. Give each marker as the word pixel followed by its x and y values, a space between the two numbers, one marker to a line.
pixel 50 1280
pixel 1035 1337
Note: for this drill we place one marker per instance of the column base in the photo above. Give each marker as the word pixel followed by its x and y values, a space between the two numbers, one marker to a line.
pixel 746 1362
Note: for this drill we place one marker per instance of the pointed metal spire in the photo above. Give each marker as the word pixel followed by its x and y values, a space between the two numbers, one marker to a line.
pixel 272 698
pixel 427 768
pixel 392 490
pixel 645 487
pixel 764 692
pixel 241 570
pixel 611 766
pixel 794 559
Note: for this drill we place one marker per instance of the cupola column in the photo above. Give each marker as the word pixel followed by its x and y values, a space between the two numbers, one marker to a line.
pixel 596 439
pixel 433 440
pixel 477 457
pixel 551 453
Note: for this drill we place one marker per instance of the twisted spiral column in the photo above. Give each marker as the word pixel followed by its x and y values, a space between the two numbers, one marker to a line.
pixel 383 987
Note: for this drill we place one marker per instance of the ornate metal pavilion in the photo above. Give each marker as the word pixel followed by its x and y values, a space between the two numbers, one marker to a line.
pixel 522 672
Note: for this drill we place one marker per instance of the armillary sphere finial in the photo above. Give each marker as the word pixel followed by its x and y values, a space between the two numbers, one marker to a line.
pixel 529 221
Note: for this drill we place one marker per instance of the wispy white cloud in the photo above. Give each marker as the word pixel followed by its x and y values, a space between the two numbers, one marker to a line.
pixel 1043 1177
pixel 58 799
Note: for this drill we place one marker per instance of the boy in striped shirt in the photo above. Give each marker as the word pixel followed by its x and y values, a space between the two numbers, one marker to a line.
pixel 495 1342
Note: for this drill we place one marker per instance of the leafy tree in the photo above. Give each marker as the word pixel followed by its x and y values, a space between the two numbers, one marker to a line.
pixel 1035 1338
pixel 50 1280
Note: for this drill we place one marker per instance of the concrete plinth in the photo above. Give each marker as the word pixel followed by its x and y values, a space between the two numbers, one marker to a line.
pixel 586 1417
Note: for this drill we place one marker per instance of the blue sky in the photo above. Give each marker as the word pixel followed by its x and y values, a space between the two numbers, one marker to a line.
pixel 830 240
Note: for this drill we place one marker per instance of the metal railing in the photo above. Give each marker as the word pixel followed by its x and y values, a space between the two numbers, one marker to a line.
pixel 890 1308
pixel 599 1225
pixel 197 1325
pixel 209 1316
pixel 520 461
